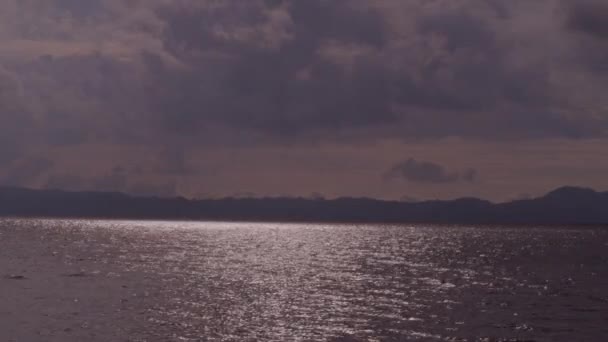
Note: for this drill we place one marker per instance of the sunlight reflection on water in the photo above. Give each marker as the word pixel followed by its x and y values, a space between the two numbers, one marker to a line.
pixel 218 281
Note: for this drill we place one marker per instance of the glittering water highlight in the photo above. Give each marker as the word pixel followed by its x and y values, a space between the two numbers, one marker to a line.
pixel 191 281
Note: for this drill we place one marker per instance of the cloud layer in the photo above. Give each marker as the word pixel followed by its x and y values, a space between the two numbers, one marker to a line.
pixel 428 172
pixel 175 76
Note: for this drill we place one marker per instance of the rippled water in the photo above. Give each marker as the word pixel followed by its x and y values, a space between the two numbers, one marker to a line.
pixel 315 282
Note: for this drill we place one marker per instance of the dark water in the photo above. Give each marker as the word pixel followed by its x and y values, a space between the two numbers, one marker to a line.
pixel 303 282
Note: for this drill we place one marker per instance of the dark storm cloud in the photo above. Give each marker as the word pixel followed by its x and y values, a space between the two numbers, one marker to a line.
pixel 289 70
pixel 79 8
pixel 86 97
pixel 416 171
pixel 275 82
pixel 233 25
pixel 460 29
pixel 177 75
pixel 318 20
pixel 283 89
pixel 589 17
pixel 324 70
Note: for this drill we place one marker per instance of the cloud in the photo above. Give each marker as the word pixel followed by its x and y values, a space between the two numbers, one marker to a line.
pixel 587 21
pixel 65 182
pixel 167 189
pixel 293 71
pixel 26 170
pixel 238 79
pixel 171 77
pixel 114 181
pixel 589 17
pixel 118 179
pixel 428 172
pixel 454 71
pixel 15 121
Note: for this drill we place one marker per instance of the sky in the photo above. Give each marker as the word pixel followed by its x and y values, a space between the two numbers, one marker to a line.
pixel 391 99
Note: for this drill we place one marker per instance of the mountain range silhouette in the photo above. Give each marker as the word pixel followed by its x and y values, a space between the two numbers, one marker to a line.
pixel 566 205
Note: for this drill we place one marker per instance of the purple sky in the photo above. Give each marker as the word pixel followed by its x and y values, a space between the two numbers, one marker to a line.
pixel 411 99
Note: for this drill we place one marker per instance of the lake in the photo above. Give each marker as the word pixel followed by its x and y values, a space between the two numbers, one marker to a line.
pixel 87 280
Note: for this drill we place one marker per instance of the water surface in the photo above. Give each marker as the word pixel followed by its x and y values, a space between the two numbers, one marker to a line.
pixel 190 281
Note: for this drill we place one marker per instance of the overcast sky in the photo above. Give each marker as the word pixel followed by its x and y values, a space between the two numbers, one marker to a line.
pixel 395 99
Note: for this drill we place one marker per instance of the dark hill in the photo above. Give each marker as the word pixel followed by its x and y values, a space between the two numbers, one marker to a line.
pixel 567 205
